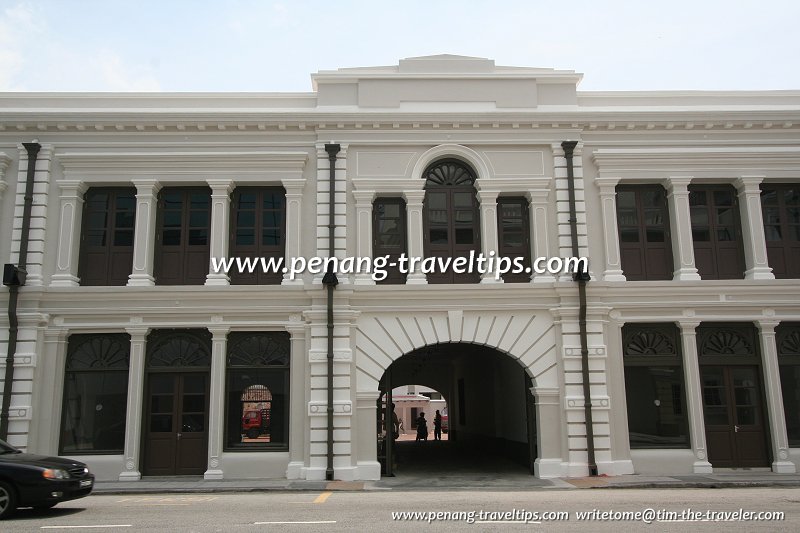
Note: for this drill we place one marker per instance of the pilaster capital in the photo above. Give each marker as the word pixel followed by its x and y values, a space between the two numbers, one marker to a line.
pixel 537 196
pixel 137 333
pixel 220 186
pixel 414 197
pixel 57 335
pixel 488 196
pixel 767 325
pixel 72 188
pixel 748 184
pixel 607 185
pixel 219 332
pixel 5 162
pixel 293 186
pixel 688 327
pixel 146 187
pixel 364 198
pixel 677 184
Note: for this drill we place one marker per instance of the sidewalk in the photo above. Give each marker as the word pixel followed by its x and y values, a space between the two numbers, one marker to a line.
pixel 454 482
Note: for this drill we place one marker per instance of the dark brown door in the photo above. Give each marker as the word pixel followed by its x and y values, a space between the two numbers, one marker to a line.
pixel 780 205
pixel 176 435
pixel 182 247
pixel 644 239
pixel 734 417
pixel 716 232
pixel 513 228
pixel 107 236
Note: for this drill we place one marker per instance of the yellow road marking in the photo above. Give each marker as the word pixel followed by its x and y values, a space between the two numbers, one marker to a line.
pixel 322 497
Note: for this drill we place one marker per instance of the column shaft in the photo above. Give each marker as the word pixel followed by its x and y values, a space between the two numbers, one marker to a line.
pixel 489 237
pixel 220 221
pixel 694 397
pixel 681 229
pixel 364 201
pixel 294 214
pixel 216 408
pixel 755 243
pixel 133 424
pixel 414 203
pixel 145 233
pixel 540 242
pixel 69 228
pixel 608 202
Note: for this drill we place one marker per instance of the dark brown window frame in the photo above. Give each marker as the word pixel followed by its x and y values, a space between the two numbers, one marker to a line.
pixel 708 253
pixel 96 263
pixel 394 275
pixel 258 248
pixel 505 249
pixel 187 254
pixel 651 267
pixel 783 254
pixel 661 347
pixel 458 178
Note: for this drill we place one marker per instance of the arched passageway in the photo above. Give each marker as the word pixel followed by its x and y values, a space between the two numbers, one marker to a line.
pixel 491 411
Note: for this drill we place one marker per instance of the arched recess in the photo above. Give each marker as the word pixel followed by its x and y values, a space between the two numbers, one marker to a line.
pixel 528 338
pixel 454 151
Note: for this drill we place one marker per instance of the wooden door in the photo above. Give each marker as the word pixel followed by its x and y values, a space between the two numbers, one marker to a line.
pixel 734 416
pixel 176 433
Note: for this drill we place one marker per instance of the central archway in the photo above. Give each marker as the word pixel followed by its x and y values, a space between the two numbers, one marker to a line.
pixel 492 414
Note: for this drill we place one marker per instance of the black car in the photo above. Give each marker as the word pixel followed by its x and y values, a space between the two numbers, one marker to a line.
pixel 39 481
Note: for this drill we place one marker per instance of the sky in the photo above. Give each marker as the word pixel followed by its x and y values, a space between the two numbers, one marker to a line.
pixel 274 46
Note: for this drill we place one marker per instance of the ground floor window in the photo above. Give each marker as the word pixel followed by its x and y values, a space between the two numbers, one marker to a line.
pixel 95 394
pixel 257 399
pixel 654 386
pixel 788 340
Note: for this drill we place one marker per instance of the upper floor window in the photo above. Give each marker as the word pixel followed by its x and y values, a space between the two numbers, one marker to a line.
pixel 389 235
pixel 258 229
pixel 182 247
pixel 644 240
pixel 106 254
pixel 95 394
pixel 513 226
pixel 716 231
pixel 780 205
pixel 451 217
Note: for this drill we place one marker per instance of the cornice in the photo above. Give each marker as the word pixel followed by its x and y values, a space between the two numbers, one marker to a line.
pixel 81 164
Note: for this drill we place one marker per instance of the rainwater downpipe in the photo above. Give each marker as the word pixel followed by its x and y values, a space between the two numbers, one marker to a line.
pixel 330 281
pixel 581 277
pixel 14 278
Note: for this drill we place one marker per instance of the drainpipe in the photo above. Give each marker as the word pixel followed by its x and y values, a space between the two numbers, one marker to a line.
pixel 330 281
pixel 14 278
pixel 581 278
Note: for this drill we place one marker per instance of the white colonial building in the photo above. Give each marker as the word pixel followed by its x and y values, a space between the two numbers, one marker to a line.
pixel 134 355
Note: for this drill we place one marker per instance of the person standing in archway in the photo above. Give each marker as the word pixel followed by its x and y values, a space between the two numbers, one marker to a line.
pixel 422 427
pixel 437 426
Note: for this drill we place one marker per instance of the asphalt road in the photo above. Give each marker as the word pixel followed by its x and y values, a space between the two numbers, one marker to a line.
pixel 372 511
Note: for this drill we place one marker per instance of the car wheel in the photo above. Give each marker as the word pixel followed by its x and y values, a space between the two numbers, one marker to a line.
pixel 8 499
pixel 252 433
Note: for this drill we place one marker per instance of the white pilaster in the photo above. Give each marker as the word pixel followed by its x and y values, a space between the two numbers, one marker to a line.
pixel 49 393
pixel 540 245
pixel 298 430
pixel 133 414
pixel 216 406
pixel 489 239
pixel 367 447
pixel 681 228
pixel 755 243
pixel 294 226
pixel 220 221
pixel 608 203
pixel 69 228
pixel 772 379
pixel 414 200
pixel 549 415
pixel 364 201
pixel 145 232
pixel 694 396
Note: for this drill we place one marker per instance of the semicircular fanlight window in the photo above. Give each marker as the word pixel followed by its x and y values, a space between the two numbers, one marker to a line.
pixel 179 349
pixel 448 173
pixel 258 349
pixel 99 352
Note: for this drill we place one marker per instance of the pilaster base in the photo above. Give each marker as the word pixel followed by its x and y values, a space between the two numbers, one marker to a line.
pixel 294 470
pixel 130 476
pixel 347 473
pixel 64 280
pixel 213 475
pixel 548 468
pixel 702 467
pixel 755 273
pixel 369 470
pixel 543 278
pixel 218 279
pixel 489 278
pixel 363 279
pixel 295 281
pixel 615 468
pixel 686 274
pixel 416 279
pixel 141 280
pixel 784 467
pixel 614 275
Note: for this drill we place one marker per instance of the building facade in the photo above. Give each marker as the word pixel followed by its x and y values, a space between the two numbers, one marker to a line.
pixel 135 355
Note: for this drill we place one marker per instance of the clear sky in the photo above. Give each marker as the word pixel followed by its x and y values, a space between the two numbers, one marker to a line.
pixel 273 46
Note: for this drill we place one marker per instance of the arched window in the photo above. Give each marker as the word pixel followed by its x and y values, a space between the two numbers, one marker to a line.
pixel 258 390
pixel 452 222
pixel 95 394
